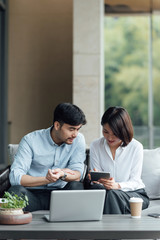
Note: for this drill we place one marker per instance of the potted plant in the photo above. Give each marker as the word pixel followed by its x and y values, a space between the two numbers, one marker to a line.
pixel 12 204
pixel 11 209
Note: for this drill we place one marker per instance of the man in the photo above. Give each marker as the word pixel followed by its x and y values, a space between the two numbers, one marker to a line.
pixel 50 159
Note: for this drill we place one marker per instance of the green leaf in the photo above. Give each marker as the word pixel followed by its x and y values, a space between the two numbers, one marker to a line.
pixel 14 201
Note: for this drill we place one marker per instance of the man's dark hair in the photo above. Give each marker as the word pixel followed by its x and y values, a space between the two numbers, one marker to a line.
pixel 70 114
pixel 120 123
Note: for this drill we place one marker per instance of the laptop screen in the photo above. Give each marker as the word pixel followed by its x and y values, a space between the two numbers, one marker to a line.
pixel 76 205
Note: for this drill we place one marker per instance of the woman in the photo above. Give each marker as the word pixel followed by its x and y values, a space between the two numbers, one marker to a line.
pixel 120 154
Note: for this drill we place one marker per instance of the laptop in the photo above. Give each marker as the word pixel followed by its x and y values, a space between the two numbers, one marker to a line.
pixel 76 205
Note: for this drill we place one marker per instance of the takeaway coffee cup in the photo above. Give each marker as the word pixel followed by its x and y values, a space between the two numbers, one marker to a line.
pixel 136 207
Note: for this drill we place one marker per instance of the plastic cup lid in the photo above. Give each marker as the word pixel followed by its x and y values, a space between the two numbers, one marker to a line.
pixel 134 199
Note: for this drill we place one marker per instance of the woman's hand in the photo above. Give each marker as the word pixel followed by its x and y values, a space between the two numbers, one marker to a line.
pixel 89 175
pixel 109 183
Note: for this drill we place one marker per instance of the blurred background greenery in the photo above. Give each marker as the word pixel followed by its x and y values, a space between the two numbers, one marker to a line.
pixel 127 70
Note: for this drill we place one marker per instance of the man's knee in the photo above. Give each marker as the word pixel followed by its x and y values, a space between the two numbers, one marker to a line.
pixel 74 186
pixel 18 189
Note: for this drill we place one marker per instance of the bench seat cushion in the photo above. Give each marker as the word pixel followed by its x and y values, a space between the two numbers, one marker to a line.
pixel 151 172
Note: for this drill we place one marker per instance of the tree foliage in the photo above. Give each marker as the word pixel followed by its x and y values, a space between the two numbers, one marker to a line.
pixel 127 66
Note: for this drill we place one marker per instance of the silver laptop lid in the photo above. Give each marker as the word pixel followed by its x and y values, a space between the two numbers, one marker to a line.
pixel 76 205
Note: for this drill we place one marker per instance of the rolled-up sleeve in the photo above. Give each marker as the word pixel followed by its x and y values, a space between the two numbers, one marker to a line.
pixel 77 159
pixel 135 180
pixel 21 163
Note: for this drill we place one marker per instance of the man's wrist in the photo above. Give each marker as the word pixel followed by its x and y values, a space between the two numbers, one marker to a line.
pixel 64 175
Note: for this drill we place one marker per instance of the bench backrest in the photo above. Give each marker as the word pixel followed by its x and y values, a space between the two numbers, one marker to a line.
pixel 150 170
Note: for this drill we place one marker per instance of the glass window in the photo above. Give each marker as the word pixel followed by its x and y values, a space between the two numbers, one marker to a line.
pixel 127 62
pixel 156 79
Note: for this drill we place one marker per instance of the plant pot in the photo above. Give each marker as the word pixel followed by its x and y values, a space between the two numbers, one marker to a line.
pixel 16 219
pixel 11 211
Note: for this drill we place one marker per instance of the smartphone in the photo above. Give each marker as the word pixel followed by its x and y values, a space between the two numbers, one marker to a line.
pixel 95 176
pixel 155 215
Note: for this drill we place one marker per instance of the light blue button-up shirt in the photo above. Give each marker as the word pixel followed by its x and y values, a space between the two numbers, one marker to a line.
pixel 37 152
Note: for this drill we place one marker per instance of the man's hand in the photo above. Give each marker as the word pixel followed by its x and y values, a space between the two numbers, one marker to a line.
pixel 54 174
pixel 109 183
pixel 68 171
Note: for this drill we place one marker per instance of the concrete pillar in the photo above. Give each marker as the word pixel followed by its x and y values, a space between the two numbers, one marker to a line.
pixel 88 63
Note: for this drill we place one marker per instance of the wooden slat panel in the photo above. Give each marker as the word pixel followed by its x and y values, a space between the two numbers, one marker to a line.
pixel 132 6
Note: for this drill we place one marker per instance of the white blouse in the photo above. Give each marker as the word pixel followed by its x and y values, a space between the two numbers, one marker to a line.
pixel 126 168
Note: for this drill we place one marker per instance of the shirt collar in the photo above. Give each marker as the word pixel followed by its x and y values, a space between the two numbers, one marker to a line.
pixel 49 136
pixel 118 150
pixel 53 143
